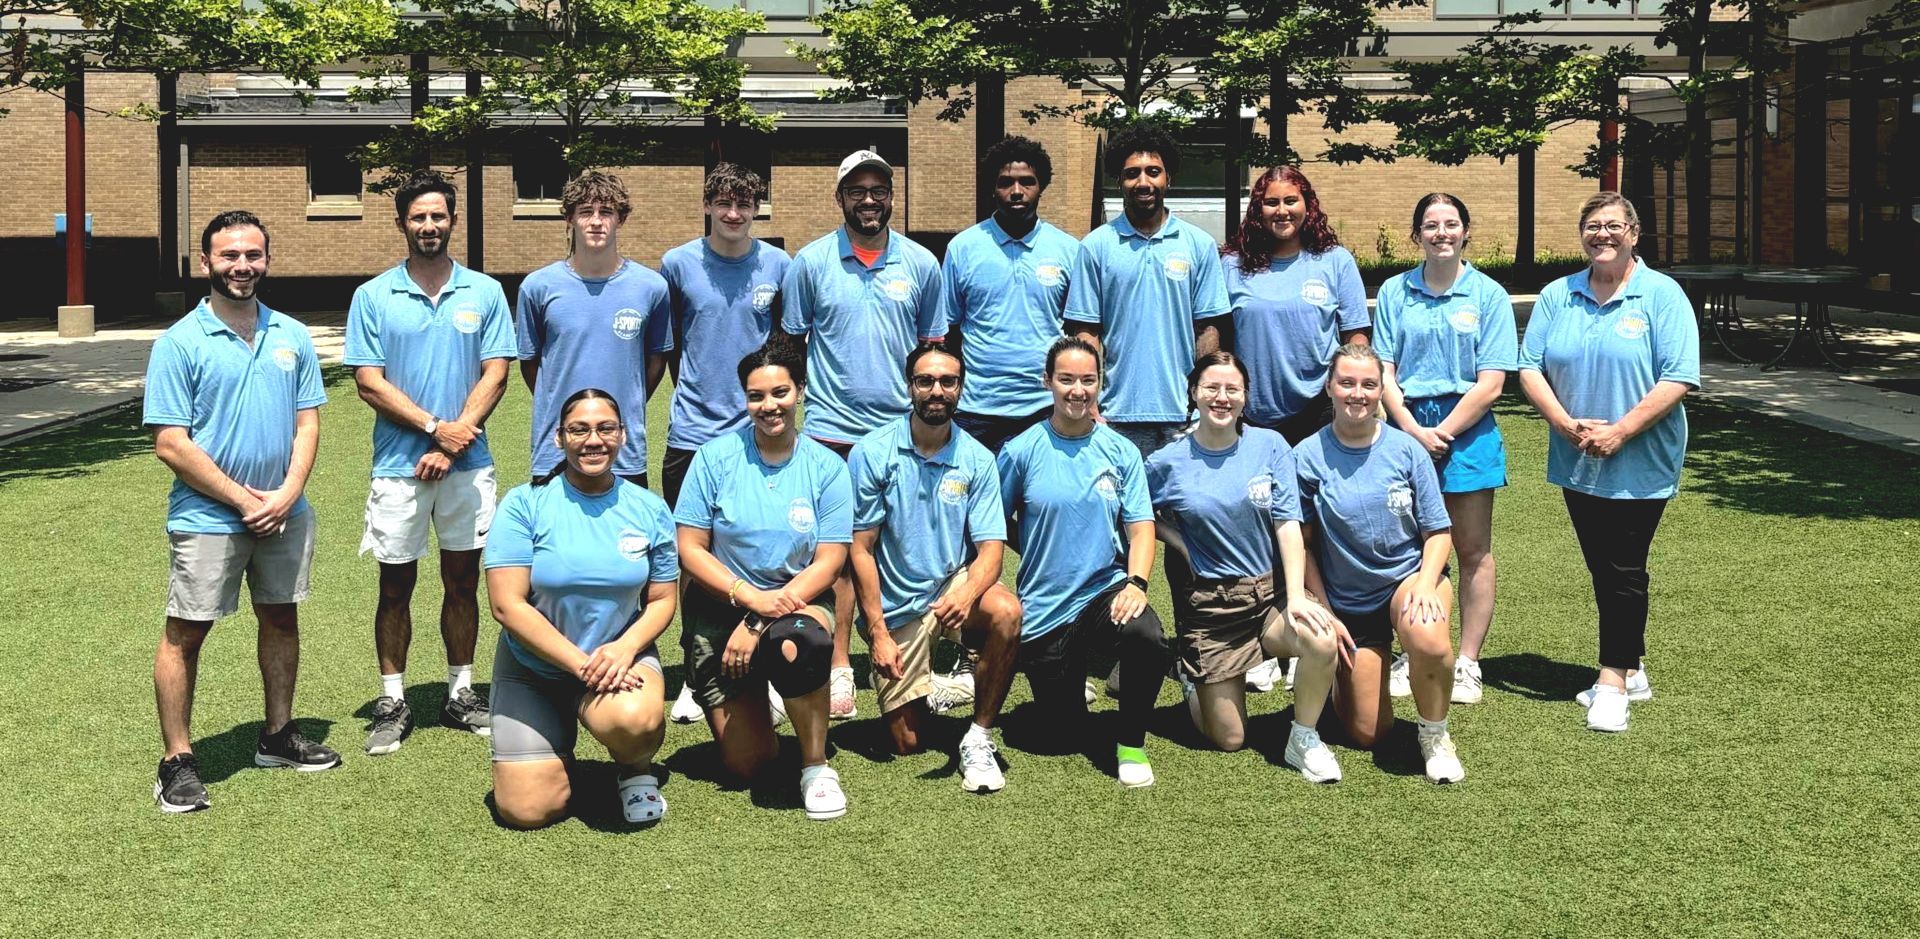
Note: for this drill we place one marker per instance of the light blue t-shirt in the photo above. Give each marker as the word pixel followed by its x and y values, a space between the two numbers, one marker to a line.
pixel 931 511
pixel 592 557
pixel 1371 509
pixel 432 352
pixel 1601 360
pixel 1439 344
pixel 1146 292
pixel 1068 502
pixel 238 403
pixel 592 334
pixel 722 310
pixel 1287 320
pixel 1005 296
pixel 1225 503
pixel 860 323
pixel 766 520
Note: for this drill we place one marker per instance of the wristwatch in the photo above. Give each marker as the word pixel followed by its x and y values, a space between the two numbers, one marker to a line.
pixel 433 424
pixel 1138 581
pixel 756 623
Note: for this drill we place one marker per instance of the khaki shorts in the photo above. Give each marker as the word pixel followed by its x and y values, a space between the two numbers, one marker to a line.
pixel 204 581
pixel 1218 623
pixel 916 640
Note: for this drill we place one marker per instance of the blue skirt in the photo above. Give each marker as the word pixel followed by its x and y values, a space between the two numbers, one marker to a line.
pixel 1475 460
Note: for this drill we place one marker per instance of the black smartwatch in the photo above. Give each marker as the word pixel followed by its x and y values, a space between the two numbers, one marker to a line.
pixel 756 623
pixel 1138 581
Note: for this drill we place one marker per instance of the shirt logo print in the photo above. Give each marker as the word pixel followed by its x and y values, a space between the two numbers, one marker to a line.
pixel 1316 291
pixel 1049 273
pixel 1465 319
pixel 285 357
pixel 899 289
pixel 1400 499
pixel 1260 491
pixel 466 321
pixel 627 323
pixel 1631 325
pixel 763 297
pixel 633 544
pixel 800 516
pixel 954 487
pixel 1177 267
pixel 1107 484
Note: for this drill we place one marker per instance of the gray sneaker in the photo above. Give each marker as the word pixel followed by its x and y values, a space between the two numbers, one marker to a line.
pixel 467 711
pixel 392 722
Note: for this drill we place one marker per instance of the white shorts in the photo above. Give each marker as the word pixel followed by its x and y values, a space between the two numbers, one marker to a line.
pixel 400 509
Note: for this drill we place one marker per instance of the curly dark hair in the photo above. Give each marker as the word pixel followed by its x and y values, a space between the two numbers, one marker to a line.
pixel 1144 137
pixel 1018 150
pixel 420 184
pixel 1252 246
pixel 596 186
pixel 774 354
pixel 735 181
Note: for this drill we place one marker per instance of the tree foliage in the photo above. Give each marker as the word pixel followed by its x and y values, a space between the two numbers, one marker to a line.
pixel 1310 43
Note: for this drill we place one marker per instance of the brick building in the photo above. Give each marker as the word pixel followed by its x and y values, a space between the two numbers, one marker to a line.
pixel 244 141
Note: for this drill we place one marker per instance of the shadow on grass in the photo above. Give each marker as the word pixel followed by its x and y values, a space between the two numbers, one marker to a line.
pixel 1754 463
pixel 595 799
pixel 77 450
pixel 231 751
pixel 1532 675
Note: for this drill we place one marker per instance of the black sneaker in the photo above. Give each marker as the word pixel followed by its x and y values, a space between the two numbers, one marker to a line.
pixel 288 748
pixel 467 711
pixel 392 722
pixel 178 789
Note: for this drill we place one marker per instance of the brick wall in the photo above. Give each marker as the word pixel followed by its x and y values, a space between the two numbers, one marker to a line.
pixel 122 161
pixel 944 192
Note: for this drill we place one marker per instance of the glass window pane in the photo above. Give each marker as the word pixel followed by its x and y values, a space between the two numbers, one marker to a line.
pixel 1602 8
pixel 332 174
pixel 781 8
pixel 1487 8
pixel 1546 8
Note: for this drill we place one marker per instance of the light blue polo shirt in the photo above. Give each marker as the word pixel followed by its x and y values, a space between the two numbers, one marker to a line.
pixel 1371 509
pixel 1005 296
pixel 931 511
pixel 860 323
pixel 1440 343
pixel 1225 503
pixel 432 352
pixel 1068 502
pixel 1146 292
pixel 1287 320
pixel 722 310
pixel 592 557
pixel 237 402
pixel 766 520
pixel 1601 360
pixel 592 333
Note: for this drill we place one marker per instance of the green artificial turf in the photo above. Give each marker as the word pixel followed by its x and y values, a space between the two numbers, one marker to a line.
pixel 1766 790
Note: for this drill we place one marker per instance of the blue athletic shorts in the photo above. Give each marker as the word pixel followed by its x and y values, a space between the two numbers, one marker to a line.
pixel 1477 459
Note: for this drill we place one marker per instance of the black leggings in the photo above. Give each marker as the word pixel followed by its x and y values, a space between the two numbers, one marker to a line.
pixel 808 670
pixel 1615 536
pixel 1056 667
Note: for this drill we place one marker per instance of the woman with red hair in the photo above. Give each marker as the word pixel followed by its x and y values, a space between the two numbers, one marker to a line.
pixel 1296 296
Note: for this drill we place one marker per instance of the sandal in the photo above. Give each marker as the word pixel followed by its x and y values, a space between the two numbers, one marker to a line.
pixel 640 799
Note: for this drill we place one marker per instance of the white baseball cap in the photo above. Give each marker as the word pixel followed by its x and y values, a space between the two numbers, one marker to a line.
pixel 862 158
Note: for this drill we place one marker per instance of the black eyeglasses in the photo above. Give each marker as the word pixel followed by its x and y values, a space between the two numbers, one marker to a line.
pixel 863 193
pixel 926 382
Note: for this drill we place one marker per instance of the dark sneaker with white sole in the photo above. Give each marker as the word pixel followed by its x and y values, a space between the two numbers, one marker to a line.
pixel 467 711
pixel 392 722
pixel 178 788
pixel 287 748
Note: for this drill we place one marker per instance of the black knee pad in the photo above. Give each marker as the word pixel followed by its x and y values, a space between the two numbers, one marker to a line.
pixel 813 646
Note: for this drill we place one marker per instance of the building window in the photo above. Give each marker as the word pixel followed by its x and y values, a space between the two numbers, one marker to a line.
pixel 539 171
pixel 333 175
pixel 1549 9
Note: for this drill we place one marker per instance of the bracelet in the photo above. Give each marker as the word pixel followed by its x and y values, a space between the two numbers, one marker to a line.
pixel 738 582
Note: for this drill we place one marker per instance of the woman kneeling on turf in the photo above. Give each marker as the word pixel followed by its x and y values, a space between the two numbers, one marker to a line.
pixel 581 571
pixel 766 516
pixel 1075 493
pixel 1379 536
pixel 1223 494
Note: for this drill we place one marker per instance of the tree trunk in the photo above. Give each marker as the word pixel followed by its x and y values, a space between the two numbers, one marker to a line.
pixel 1523 249
pixel 1699 147
pixel 989 125
pixel 1279 108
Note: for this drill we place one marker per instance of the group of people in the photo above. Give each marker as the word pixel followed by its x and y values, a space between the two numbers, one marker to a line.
pixel 1311 468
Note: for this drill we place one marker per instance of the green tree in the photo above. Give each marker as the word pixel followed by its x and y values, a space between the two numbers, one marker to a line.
pixel 583 65
pixel 1295 53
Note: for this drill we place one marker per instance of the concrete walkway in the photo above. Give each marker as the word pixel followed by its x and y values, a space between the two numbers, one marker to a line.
pixel 76 378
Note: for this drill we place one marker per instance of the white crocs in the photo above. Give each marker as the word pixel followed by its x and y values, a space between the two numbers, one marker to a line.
pixel 640 799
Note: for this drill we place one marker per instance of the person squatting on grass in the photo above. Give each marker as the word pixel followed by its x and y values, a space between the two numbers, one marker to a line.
pixel 1075 493
pixel 764 521
pixel 1610 352
pixel 1378 530
pixel 1224 494
pixel 233 398
pixel 927 499
pixel 1445 334
pixel 581 571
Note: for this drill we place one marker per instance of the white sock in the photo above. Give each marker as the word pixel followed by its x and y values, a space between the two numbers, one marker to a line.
pixel 394 686
pixel 1432 728
pixel 976 734
pixel 458 677
pixel 1299 726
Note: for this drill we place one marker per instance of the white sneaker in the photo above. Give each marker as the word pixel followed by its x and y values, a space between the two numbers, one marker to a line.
pixel 820 792
pixel 1092 695
pixel 840 693
pixel 1264 676
pixel 1466 681
pixel 1291 665
pixel 1638 689
pixel 776 706
pixel 979 768
pixel 1608 712
pixel 1308 754
pixel 1400 677
pixel 685 709
pixel 949 692
pixel 1136 773
pixel 1443 764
